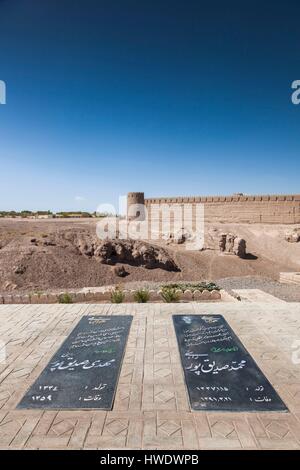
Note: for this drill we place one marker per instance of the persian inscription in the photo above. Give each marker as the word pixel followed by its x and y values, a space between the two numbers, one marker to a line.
pixel 219 372
pixel 85 370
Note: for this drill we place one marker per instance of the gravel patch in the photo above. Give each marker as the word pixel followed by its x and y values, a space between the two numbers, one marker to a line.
pixel 287 292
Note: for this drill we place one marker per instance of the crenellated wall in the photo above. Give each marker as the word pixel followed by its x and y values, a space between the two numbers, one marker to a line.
pixel 270 209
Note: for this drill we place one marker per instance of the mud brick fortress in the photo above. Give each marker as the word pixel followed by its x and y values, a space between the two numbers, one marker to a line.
pixel 238 208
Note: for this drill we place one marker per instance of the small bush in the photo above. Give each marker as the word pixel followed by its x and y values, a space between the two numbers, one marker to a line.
pixel 192 286
pixel 169 294
pixel 37 292
pixel 141 296
pixel 65 299
pixel 117 296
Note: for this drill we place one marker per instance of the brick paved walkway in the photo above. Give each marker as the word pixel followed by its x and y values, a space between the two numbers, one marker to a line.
pixel 151 409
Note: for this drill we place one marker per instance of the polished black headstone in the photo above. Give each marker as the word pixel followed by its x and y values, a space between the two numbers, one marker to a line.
pixel 84 371
pixel 219 372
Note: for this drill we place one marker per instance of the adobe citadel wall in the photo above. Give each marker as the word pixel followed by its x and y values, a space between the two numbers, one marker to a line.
pixel 270 209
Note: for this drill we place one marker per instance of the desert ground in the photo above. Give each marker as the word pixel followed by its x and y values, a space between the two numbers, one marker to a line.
pixel 55 254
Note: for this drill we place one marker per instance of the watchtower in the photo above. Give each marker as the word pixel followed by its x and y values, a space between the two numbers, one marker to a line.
pixel 136 206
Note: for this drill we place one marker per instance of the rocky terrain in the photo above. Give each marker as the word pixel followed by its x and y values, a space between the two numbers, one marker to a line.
pixel 50 254
pixel 131 252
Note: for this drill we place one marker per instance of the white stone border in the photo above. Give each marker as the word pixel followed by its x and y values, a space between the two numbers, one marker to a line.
pixel 105 296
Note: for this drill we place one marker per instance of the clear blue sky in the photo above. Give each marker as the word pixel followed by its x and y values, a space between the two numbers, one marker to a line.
pixel 168 97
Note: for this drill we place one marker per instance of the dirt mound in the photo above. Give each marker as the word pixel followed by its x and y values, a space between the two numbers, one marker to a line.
pixel 231 244
pixel 134 252
pixel 53 255
pixel 293 236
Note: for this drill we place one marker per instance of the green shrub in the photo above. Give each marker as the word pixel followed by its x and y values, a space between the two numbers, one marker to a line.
pixel 141 296
pixel 65 299
pixel 169 294
pixel 37 292
pixel 117 296
pixel 192 286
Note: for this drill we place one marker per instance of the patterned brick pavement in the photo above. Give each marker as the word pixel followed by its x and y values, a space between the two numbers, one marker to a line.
pixel 151 409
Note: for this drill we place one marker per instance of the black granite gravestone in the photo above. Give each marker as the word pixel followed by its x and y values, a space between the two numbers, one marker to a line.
pixel 85 370
pixel 219 372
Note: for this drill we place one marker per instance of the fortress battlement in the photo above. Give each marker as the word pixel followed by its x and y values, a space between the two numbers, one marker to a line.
pixel 239 208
